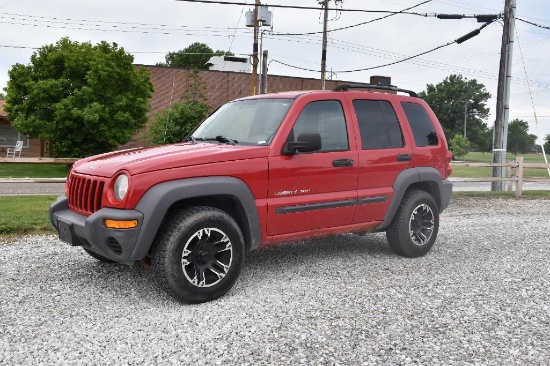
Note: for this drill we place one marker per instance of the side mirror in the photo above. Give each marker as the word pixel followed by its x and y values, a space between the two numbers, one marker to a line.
pixel 306 142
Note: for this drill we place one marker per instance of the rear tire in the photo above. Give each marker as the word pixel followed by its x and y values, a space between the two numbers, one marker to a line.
pixel 199 255
pixel 414 228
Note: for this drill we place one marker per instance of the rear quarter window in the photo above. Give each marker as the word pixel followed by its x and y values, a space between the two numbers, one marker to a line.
pixel 421 125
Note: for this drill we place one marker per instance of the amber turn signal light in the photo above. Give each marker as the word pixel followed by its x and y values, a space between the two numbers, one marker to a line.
pixel 121 224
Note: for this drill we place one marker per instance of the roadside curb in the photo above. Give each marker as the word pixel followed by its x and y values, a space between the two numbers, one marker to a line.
pixel 32 180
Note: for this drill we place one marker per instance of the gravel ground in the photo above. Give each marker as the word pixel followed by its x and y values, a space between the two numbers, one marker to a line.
pixel 479 297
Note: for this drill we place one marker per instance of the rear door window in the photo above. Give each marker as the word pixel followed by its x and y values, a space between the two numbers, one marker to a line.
pixel 378 124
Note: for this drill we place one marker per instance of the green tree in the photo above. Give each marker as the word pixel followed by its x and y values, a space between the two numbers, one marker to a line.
pixel 547 144
pixel 459 146
pixel 173 124
pixel 2 95
pixel 448 99
pixel 519 139
pixel 483 136
pixel 87 99
pixel 194 56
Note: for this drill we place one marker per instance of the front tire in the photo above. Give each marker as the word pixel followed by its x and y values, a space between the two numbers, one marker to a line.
pixel 199 255
pixel 414 228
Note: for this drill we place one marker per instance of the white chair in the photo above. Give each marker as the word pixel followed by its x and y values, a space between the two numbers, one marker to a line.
pixel 11 152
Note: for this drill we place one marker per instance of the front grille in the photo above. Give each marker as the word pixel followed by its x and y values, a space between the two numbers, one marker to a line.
pixel 85 194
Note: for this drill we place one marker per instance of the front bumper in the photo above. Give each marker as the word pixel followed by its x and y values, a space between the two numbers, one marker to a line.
pixel 90 232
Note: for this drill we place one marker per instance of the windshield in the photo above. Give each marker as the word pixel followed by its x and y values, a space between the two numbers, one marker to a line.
pixel 247 122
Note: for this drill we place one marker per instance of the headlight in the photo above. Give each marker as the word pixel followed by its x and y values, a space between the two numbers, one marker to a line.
pixel 121 187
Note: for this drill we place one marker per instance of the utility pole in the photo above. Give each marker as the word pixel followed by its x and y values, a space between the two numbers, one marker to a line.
pixel 500 133
pixel 465 117
pixel 324 52
pixel 260 60
pixel 255 57
pixel 263 90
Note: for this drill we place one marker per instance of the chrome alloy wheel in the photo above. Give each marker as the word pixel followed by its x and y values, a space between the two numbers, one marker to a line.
pixel 207 257
pixel 421 224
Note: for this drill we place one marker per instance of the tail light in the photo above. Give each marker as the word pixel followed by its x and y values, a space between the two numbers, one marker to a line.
pixel 448 168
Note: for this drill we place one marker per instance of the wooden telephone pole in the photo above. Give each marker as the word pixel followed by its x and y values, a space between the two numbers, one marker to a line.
pixel 324 51
pixel 500 133
pixel 255 57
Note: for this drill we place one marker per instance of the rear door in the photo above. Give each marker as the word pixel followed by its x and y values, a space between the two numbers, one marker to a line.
pixel 315 190
pixel 383 153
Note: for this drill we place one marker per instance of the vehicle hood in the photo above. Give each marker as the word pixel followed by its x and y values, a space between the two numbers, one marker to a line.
pixel 142 160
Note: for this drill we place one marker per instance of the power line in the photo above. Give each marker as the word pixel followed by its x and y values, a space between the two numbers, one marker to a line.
pixel 217 2
pixel 65 20
pixel 351 47
pixel 357 48
pixel 213 33
pixel 23 47
pixel 459 40
pixel 40 21
pixel 480 17
pixel 535 24
pixel 355 25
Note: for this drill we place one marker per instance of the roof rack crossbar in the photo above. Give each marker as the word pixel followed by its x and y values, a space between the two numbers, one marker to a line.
pixel 346 87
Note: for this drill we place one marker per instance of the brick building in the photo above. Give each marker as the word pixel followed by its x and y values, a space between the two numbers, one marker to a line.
pixel 9 136
pixel 219 87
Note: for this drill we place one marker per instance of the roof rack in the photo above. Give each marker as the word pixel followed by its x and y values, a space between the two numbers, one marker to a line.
pixel 346 87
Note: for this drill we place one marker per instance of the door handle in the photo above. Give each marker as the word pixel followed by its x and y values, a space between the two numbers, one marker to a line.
pixel 404 157
pixel 342 162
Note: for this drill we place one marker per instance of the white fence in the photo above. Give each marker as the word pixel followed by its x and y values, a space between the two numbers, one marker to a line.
pixel 515 173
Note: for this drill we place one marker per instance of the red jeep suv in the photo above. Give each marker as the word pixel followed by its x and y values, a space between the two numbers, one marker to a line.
pixel 260 171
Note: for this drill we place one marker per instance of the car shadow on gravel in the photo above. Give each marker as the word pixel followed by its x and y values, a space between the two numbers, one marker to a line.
pixel 113 281
pixel 118 282
pixel 324 251
pixel 324 248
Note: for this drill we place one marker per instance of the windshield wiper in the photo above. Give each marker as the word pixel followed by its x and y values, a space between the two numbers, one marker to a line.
pixel 219 138
pixel 226 140
pixel 195 139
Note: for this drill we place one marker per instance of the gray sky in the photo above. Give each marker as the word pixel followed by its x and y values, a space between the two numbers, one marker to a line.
pixel 150 29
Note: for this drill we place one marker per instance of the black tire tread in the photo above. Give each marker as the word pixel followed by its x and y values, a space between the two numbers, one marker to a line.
pixel 397 232
pixel 170 229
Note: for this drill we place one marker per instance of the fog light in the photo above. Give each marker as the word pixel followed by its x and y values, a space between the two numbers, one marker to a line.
pixel 121 224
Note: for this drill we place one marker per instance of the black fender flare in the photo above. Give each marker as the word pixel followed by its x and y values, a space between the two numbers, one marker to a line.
pixel 404 180
pixel 156 202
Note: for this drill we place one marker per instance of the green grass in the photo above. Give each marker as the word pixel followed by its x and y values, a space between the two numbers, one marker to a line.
pixel 470 172
pixel 479 157
pixel 526 194
pixel 28 170
pixel 485 172
pixel 20 215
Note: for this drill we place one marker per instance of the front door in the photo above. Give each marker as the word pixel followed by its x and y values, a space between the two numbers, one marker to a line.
pixel 315 190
